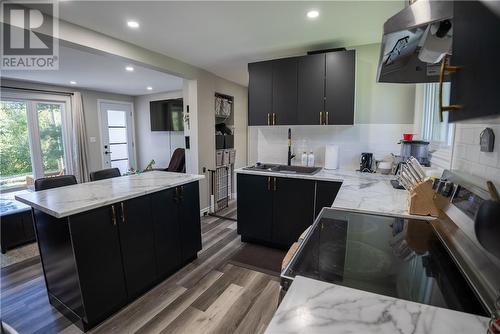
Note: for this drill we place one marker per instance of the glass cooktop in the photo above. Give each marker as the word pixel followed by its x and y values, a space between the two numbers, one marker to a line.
pixel 396 257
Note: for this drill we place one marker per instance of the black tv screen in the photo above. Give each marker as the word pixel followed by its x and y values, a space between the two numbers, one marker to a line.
pixel 166 115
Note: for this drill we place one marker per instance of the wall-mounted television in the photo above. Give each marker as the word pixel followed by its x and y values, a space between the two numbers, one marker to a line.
pixel 166 115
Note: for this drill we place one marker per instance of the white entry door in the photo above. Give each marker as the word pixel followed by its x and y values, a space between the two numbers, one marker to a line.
pixel 117 135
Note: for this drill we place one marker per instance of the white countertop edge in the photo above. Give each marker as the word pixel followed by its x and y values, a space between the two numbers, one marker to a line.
pixel 193 178
pixel 313 306
pixel 381 213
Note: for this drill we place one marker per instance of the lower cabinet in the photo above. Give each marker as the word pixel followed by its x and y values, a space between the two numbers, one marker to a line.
pixel 325 195
pixel 97 261
pixel 276 210
pixel 16 229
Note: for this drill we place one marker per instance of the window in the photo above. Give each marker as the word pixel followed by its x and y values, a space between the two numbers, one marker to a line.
pixel 438 133
pixel 32 141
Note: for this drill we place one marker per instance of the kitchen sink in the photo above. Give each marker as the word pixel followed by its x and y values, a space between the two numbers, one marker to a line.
pixel 284 169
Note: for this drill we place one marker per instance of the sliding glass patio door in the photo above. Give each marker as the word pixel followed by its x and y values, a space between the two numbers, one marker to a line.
pixel 32 141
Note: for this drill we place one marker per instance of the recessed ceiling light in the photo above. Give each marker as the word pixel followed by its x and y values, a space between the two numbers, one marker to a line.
pixel 133 24
pixel 72 82
pixel 312 14
pixel 129 69
pixel 149 88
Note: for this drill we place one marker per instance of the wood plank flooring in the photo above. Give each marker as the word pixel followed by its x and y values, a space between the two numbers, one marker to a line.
pixel 208 295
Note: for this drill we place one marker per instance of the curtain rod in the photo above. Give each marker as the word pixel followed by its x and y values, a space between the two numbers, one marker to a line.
pixel 38 90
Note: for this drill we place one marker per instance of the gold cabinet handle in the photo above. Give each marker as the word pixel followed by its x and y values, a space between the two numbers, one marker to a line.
pixel 320 118
pixel 446 69
pixel 123 212
pixel 268 119
pixel 274 184
pixel 113 215
pixel 268 183
pixel 274 119
pixel 326 116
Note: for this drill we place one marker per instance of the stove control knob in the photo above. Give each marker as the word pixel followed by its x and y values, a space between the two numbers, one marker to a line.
pixel 447 189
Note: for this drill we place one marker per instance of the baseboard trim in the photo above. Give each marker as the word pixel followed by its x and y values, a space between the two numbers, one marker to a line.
pixel 205 211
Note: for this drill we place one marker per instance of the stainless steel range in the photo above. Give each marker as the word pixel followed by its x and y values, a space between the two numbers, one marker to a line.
pixel 437 262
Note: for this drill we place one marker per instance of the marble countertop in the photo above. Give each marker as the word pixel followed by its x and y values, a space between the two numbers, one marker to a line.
pixel 69 200
pixel 311 306
pixel 360 192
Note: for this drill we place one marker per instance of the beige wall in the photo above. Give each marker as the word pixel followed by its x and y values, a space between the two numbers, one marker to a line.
pixel 380 103
pixel 90 109
pixel 157 145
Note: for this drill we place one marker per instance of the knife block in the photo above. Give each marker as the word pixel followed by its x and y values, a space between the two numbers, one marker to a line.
pixel 424 201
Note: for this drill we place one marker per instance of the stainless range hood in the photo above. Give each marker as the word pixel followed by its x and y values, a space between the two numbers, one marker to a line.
pixel 414 42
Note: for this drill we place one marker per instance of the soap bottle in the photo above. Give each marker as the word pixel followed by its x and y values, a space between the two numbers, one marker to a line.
pixel 304 158
pixel 310 159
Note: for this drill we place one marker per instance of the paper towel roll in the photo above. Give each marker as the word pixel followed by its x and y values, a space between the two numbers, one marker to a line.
pixel 331 156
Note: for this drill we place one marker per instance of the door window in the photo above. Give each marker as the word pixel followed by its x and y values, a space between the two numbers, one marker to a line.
pixel 31 141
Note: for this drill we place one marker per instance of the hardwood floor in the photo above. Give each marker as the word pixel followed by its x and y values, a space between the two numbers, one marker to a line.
pixel 208 295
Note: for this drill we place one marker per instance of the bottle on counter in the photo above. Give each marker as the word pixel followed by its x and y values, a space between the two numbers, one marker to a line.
pixel 304 159
pixel 310 159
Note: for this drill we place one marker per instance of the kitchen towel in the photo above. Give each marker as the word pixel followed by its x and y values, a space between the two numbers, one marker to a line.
pixel 331 156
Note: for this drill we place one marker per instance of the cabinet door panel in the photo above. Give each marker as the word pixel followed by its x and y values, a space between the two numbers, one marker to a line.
pixel 255 207
pixel 311 89
pixel 189 219
pixel 339 88
pixel 285 91
pixel 325 194
pixel 293 209
pixel 166 231
pixel 476 46
pixel 137 242
pixel 97 251
pixel 260 92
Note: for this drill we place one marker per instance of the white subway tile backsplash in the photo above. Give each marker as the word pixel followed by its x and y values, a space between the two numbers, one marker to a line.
pixel 489 158
pixel 467 136
pixel 472 153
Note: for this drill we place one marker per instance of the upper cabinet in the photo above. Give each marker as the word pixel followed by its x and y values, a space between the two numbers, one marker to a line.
pixel 315 89
pixel 339 88
pixel 476 46
pixel 260 93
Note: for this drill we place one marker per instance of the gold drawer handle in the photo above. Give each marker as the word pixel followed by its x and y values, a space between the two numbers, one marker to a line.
pixel 113 214
pixel 269 183
pixel 446 69
pixel 320 118
pixel 123 213
pixel 274 119
pixel 327 118
pixel 268 119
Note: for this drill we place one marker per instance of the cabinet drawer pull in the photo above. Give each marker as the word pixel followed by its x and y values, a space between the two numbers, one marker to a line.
pixel 113 215
pixel 326 116
pixel 123 212
pixel 320 118
pixel 446 69
pixel 268 119
pixel 274 184
pixel 274 119
pixel 268 183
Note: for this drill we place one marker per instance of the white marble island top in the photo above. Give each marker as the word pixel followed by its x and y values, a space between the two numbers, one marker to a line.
pixel 69 200
pixel 360 192
pixel 311 306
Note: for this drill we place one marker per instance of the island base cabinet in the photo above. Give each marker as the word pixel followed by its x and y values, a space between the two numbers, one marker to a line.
pixel 189 220
pixel 95 262
pixel 96 245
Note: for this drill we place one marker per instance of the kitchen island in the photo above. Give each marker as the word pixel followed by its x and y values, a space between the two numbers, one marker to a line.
pixel 103 244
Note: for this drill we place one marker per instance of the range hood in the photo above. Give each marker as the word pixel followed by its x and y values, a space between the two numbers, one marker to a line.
pixel 415 41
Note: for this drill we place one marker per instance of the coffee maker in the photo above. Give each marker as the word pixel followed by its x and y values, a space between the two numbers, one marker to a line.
pixel 366 163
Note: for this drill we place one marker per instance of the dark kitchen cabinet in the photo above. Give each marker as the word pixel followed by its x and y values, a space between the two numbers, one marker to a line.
pixel 166 231
pixel 316 89
pixel 255 207
pixel 16 229
pixel 274 210
pixel 293 209
pixel 135 226
pixel 189 220
pixel 325 195
pixel 96 245
pixel 284 91
pixel 475 49
pixel 260 90
pixel 311 90
pixel 339 88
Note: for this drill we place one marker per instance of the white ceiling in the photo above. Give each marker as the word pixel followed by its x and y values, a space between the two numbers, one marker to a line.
pixel 223 37
pixel 101 73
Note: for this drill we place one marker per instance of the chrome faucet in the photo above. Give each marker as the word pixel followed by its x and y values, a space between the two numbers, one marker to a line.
pixel 290 155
